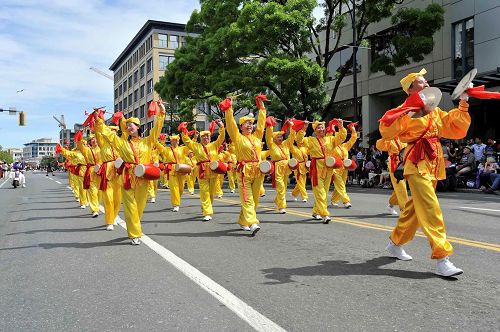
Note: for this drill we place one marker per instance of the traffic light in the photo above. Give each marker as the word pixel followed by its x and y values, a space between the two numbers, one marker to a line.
pixel 22 119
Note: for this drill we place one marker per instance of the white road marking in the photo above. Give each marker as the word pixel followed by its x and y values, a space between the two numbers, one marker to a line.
pixel 481 209
pixel 58 182
pixel 255 319
pixel 1 185
pixel 69 187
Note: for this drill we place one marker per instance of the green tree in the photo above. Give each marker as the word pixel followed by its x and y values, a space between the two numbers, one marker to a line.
pixel 248 46
pixel 48 160
pixel 6 156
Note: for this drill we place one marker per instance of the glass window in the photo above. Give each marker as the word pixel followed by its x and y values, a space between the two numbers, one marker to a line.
pixel 340 59
pixel 162 41
pixel 130 82
pixel 165 60
pixel 142 70
pixel 125 104
pixel 149 65
pixel 130 101
pixel 120 106
pixel 463 60
pixel 136 112
pixel 142 113
pixel 136 76
pixel 141 89
pixel 150 86
pixel 136 95
pixel 120 91
pixel 116 93
pixel 116 107
pixel 173 41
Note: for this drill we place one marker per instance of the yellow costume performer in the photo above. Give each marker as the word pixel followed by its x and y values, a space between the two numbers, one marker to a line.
pixel 219 182
pixel 206 152
pixel 91 181
pixel 191 177
pixel 301 154
pixel 174 154
pixel 340 175
pixel 423 167
pixel 110 181
pixel 399 195
pixel 231 173
pixel 248 147
pixel 279 150
pixel 133 150
pixel 77 159
pixel 264 154
pixel 320 147
pixel 153 184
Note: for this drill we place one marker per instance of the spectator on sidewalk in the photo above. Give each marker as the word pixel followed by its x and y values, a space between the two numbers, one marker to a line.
pixel 490 149
pixel 467 163
pixel 478 149
pixel 483 175
pixel 495 179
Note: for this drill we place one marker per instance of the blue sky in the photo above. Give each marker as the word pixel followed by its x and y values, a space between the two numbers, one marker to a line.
pixel 47 47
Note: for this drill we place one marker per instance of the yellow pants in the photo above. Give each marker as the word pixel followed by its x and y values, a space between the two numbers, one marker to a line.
pixel 231 175
pixel 321 192
pixel 176 185
pixel 93 193
pixel 399 196
pixel 164 179
pixel 207 187
pixel 339 190
pixel 112 199
pixel 134 202
pixel 262 191
pixel 300 187
pixel 152 188
pixel 281 179
pixel 218 185
pixel 82 193
pixel 191 178
pixel 248 213
pixel 423 210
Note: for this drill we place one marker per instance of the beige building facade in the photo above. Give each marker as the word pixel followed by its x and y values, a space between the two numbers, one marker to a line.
pixel 139 67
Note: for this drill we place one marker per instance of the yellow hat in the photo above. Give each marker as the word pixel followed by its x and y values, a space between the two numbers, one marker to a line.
pixel 205 132
pixel 410 78
pixel 174 137
pixel 243 119
pixel 315 124
pixel 278 133
pixel 133 120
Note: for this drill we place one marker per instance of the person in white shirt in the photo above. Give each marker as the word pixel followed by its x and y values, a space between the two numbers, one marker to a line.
pixel 478 149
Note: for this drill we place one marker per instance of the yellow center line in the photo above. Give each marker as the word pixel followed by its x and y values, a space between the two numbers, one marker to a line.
pixel 363 224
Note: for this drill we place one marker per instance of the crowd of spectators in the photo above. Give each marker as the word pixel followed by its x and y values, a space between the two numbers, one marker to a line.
pixel 470 163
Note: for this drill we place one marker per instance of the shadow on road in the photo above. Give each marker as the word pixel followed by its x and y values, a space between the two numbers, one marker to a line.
pixel 334 268
pixel 61 230
pixel 227 232
pixel 77 245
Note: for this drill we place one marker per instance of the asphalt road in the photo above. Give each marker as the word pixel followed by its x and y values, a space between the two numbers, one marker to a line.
pixel 62 272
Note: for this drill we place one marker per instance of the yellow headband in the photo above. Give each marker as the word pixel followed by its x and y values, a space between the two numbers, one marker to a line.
pixel 278 133
pixel 315 124
pixel 243 119
pixel 205 132
pixel 410 78
pixel 133 120
pixel 174 137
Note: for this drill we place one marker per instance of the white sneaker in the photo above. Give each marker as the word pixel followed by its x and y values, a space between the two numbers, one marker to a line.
pixel 153 200
pixel 95 214
pixel 347 205
pixel 207 218
pixel 135 241
pixel 191 193
pixel 110 228
pixel 254 229
pixel 83 206
pixel 392 210
pixel 219 196
pixel 175 209
pixel 282 211
pixel 245 228
pixel 335 205
pixel 304 200
pixel 316 217
pixel 232 191
pixel 397 252
pixel 446 268
pixel 327 220
pixel 24 186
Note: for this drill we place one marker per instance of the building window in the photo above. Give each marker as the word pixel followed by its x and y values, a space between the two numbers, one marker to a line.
pixel 149 65
pixel 142 107
pixel 165 60
pixel 141 90
pixel 120 106
pixel 142 70
pixel 162 41
pixel 340 59
pixel 136 113
pixel 116 107
pixel 150 86
pixel 136 76
pixel 125 104
pixel 136 95
pixel 130 101
pixel 463 36
pixel 116 93
pixel 173 41
pixel 130 82
pixel 120 91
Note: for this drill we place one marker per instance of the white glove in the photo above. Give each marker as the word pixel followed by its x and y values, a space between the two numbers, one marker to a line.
pixel 464 96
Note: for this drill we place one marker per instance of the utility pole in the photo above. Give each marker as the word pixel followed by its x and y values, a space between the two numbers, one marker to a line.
pixel 21 115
